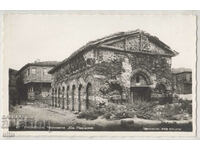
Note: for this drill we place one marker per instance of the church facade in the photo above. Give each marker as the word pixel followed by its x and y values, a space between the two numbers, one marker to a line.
pixel 120 68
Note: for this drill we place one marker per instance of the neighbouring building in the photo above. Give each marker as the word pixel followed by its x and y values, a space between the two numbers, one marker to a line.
pixel 182 80
pixel 34 81
pixel 13 93
pixel 120 68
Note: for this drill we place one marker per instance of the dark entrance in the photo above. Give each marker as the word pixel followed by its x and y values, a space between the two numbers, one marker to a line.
pixel 140 87
pixel 140 93
pixel 79 98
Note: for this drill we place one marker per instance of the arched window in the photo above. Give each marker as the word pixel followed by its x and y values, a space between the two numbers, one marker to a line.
pixel 88 95
pixel 79 97
pixel 73 93
pixel 139 79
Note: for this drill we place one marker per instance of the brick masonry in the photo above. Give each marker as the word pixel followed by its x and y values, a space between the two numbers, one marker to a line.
pixel 119 68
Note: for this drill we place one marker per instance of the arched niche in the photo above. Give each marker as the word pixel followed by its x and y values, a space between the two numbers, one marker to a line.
pixel 89 95
pixel 140 85
pixel 79 97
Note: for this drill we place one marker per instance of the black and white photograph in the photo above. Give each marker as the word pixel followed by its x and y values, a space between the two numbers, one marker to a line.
pixel 99 72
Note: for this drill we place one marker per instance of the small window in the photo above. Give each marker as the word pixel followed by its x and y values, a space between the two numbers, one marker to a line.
pixel 137 79
pixel 89 61
pixel 33 71
pixel 45 72
pixel 188 77
pixel 28 72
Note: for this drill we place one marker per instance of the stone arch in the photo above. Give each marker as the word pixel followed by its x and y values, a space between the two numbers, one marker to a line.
pixel 90 79
pixel 140 85
pixel 79 97
pixel 73 96
pixel 142 74
pixel 88 95
pixel 82 82
pixel 81 90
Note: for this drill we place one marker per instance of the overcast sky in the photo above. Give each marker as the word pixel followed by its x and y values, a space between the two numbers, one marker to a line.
pixel 54 37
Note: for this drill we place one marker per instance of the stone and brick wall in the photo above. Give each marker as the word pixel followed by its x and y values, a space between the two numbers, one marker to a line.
pixel 112 70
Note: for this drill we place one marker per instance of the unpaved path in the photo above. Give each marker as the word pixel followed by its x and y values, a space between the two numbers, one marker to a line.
pixel 57 116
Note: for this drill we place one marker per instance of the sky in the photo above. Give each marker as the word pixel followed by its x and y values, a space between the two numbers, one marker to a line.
pixel 28 37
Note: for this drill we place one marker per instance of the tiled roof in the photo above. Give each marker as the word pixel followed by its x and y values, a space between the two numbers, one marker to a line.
pixel 108 38
pixel 180 70
pixel 43 63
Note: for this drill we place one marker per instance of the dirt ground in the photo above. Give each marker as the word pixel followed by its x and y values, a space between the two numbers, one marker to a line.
pixel 59 117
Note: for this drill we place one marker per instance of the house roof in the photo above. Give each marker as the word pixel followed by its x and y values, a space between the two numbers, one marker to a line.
pixel 112 37
pixel 42 64
pixel 12 70
pixel 181 70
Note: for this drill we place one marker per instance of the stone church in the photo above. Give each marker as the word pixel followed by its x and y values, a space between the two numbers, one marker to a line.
pixel 120 68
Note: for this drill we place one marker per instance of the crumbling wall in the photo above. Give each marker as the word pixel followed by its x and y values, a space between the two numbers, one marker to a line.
pixel 109 71
pixel 119 67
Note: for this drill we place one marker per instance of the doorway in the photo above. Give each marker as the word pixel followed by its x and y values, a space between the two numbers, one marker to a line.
pixel 140 93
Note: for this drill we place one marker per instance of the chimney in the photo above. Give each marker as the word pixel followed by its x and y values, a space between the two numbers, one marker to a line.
pixel 37 60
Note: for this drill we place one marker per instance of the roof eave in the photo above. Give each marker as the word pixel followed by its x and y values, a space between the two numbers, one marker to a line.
pixel 32 64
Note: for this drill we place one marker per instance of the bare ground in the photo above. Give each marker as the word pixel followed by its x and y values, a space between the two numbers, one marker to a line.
pixel 58 117
pixel 69 121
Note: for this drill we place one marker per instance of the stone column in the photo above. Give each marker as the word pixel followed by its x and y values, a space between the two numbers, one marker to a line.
pixel 57 97
pixel 60 99
pixel 63 99
pixel 67 98
pixel 56 94
pixel 52 97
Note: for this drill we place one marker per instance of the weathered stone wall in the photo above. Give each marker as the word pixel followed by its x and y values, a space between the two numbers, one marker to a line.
pixel 110 77
pixel 120 67
pixel 111 72
pixel 71 90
